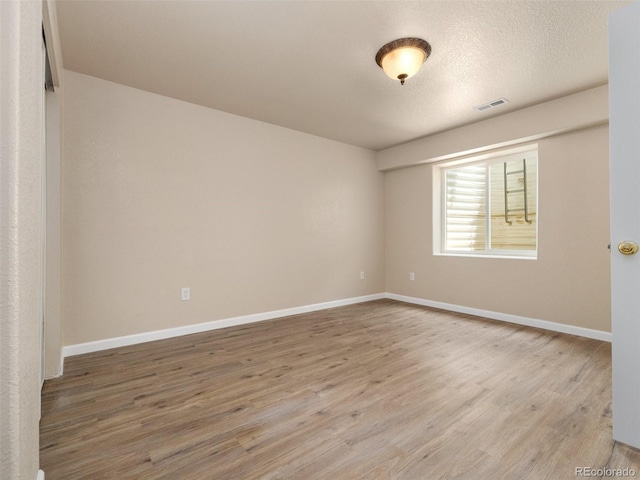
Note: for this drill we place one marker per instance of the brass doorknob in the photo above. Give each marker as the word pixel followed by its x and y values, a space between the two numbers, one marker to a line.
pixel 628 247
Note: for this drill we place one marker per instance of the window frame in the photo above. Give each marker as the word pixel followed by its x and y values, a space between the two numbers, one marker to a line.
pixel 440 204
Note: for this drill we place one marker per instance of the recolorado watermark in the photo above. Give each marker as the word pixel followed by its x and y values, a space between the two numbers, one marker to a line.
pixel 605 472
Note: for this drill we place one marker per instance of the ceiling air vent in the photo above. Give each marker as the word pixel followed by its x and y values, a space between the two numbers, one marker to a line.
pixel 492 104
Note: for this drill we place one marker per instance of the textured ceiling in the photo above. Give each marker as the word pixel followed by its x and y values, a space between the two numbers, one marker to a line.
pixel 310 65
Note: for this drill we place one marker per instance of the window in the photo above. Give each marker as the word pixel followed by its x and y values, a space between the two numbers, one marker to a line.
pixel 489 207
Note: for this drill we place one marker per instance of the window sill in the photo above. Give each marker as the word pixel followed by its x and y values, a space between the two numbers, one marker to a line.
pixel 487 255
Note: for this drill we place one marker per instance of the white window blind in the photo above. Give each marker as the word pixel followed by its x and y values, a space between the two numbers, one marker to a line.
pixel 466 199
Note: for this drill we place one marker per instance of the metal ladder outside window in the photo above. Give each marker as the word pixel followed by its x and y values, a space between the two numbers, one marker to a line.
pixel 522 190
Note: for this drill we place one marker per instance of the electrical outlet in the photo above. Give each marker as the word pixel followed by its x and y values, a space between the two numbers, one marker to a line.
pixel 186 294
pixel 412 276
pixel 361 275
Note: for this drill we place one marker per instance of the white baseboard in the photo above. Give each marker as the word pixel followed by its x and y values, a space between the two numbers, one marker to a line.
pixel 505 317
pixel 78 349
pixel 40 475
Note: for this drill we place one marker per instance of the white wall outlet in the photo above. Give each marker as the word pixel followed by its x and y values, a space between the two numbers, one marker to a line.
pixel 412 276
pixel 361 275
pixel 186 294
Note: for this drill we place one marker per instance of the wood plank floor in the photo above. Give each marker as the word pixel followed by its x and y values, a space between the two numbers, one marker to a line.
pixel 378 390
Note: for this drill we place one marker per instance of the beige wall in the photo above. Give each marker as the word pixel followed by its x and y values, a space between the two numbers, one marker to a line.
pixel 20 237
pixel 568 283
pixel 160 194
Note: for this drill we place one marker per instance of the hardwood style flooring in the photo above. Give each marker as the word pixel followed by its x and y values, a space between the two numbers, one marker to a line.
pixel 378 390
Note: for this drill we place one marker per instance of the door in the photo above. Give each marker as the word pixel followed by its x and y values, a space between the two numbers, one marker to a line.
pixel 43 214
pixel 624 141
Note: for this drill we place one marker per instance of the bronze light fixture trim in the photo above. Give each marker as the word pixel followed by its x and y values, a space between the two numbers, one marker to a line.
pixel 402 58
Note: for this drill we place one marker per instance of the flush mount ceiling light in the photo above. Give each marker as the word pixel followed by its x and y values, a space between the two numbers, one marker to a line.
pixel 403 58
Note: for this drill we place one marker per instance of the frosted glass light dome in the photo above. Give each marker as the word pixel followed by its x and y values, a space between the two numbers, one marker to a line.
pixel 402 58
